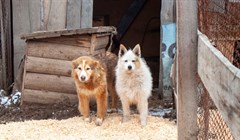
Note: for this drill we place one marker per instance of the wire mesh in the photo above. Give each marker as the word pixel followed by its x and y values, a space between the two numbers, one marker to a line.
pixel 211 125
pixel 220 21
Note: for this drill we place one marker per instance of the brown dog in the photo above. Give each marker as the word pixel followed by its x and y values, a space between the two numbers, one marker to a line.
pixel 93 79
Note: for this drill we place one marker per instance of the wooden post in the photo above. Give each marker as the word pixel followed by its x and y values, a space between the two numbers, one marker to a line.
pixel 160 81
pixel 187 69
pixel 6 44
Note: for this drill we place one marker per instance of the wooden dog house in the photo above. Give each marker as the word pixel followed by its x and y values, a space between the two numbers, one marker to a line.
pixel 47 70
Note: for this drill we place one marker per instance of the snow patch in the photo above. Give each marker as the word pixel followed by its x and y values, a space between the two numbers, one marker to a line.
pixel 10 100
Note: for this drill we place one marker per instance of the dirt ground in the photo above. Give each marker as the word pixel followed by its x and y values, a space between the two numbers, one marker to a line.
pixel 63 121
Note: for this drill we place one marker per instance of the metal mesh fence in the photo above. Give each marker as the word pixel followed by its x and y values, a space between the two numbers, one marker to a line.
pixel 211 125
pixel 220 21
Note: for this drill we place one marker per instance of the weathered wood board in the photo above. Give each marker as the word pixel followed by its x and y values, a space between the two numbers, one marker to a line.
pixel 74 14
pixel 48 66
pixel 186 69
pixel 55 14
pixel 46 97
pixel 55 51
pixel 222 81
pixel 6 47
pixel 86 13
pixel 49 83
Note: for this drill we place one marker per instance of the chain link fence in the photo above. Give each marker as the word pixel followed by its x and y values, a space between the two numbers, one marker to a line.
pixel 220 21
pixel 211 125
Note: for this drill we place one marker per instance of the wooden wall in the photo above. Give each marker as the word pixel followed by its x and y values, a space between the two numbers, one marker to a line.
pixel 38 15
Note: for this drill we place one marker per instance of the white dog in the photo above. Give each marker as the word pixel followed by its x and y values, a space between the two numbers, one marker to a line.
pixel 133 82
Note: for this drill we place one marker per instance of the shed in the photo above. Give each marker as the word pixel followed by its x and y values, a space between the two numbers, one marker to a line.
pixel 47 68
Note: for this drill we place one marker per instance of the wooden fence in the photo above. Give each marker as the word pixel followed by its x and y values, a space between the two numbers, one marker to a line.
pixel 197 56
pixel 222 81
pixel 29 16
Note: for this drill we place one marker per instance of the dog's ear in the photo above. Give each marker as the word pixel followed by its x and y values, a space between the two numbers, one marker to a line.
pixel 122 50
pixel 74 64
pixel 137 50
pixel 94 64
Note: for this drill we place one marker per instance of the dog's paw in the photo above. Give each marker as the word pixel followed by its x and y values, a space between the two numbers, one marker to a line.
pixel 112 110
pixel 98 121
pixel 87 119
pixel 143 123
pixel 125 118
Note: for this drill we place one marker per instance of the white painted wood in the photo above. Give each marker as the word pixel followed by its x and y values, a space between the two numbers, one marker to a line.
pixel 222 81
pixel 187 69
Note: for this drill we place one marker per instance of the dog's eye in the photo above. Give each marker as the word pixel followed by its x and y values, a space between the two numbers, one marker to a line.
pixel 133 61
pixel 79 68
pixel 125 61
pixel 87 68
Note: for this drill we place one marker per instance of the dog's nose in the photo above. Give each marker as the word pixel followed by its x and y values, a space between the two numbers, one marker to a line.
pixel 83 78
pixel 129 67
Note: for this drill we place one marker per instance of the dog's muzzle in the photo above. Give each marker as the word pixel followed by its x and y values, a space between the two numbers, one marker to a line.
pixel 129 67
pixel 83 78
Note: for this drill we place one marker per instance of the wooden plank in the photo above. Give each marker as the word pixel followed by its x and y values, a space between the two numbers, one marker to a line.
pixel 21 24
pixel 18 81
pixel 6 45
pixel 48 34
pixel 47 82
pixel 1 63
pixel 86 13
pixel 55 14
pixel 168 11
pixel 55 51
pixel 187 69
pixel 222 81
pixel 160 84
pixel 48 66
pixel 74 14
pixel 34 15
pixel 93 43
pixel 1 74
pixel 73 40
pixel 102 42
pixel 46 97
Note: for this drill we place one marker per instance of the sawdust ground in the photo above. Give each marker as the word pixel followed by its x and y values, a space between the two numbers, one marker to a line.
pixel 63 121
pixel 75 128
